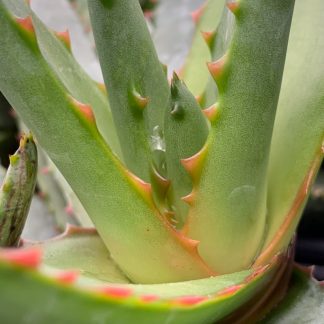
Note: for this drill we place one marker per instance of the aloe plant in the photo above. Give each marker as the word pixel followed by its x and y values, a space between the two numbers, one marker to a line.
pixel 195 209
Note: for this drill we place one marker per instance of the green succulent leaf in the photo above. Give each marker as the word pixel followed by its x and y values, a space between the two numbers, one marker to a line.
pixel 219 43
pixel 17 191
pixel 66 298
pixel 138 101
pixel 229 212
pixel 82 250
pixel 56 49
pixel 195 73
pixel 298 138
pixel 237 184
pixel 134 231
pixel 185 133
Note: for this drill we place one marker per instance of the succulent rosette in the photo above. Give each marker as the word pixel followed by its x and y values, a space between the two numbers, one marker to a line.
pixel 195 186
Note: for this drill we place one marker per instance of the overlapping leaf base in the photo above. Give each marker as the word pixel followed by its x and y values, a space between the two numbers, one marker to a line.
pixel 98 290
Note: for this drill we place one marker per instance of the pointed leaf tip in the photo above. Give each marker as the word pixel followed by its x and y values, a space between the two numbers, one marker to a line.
pixel 174 83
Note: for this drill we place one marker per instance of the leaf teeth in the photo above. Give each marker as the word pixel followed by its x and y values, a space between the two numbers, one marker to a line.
pixel 26 24
pixel 67 277
pixel 85 110
pixel 211 112
pixel 185 227
pixel 192 247
pixel 142 187
pixel 209 37
pixel 216 68
pixel 140 101
pixel 148 14
pixel 190 198
pixel 170 217
pixel 196 14
pixel 162 183
pixel 189 244
pixel 149 298
pixel 190 300
pixel 194 164
pixel 177 110
pixel 64 37
pixel 29 258
pixel 199 99
pixel 230 290
pixel 116 292
pixel 234 7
